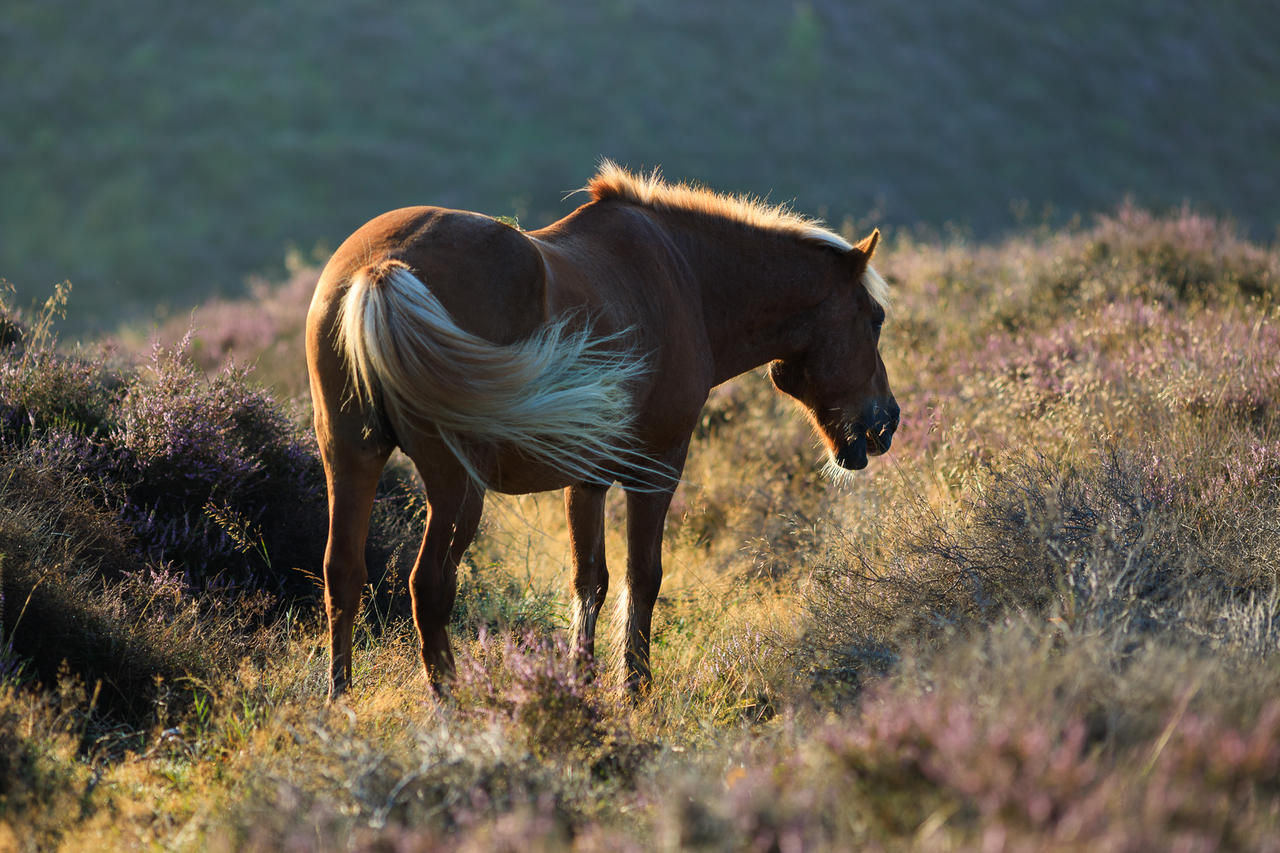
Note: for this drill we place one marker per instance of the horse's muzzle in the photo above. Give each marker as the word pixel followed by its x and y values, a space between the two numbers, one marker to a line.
pixel 882 423
pixel 870 436
pixel 852 455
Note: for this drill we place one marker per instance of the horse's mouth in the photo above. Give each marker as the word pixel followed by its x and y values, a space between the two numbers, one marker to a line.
pixel 853 452
pixel 878 442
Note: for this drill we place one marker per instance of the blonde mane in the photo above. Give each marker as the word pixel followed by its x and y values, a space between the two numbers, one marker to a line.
pixel 614 182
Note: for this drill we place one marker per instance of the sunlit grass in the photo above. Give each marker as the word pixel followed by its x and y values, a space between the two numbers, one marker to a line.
pixel 1049 616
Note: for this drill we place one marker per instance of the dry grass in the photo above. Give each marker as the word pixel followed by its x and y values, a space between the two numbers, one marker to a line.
pixel 1048 619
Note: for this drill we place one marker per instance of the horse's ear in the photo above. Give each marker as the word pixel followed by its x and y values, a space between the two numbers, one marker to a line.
pixel 868 244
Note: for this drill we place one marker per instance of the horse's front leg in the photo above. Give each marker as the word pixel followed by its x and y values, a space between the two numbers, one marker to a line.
pixel 646 512
pixel 584 506
pixel 452 521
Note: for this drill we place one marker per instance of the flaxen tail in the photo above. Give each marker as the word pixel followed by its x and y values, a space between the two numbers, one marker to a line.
pixel 561 397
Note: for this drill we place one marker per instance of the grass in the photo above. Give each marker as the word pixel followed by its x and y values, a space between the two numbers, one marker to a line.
pixel 161 156
pixel 1048 619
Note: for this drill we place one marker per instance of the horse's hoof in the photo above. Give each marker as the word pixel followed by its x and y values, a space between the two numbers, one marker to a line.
pixel 340 706
pixel 441 688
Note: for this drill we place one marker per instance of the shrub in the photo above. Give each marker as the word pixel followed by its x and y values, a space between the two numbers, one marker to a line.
pixel 208 473
pixel 135 641
pixel 1178 257
pixel 1103 550
pixel 948 769
pixel 473 775
pixel 217 482
pixel 537 685
pixel 44 390
pixel 123 494
pixel 266 329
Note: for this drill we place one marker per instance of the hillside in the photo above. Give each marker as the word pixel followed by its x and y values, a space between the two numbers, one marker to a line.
pixel 1048 619
pixel 163 153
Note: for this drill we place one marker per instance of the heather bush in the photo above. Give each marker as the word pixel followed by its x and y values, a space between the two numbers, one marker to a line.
pixel 1177 257
pixel 1090 546
pixel 212 478
pixel 1047 619
pixel 1146 499
pixel 433 787
pixel 135 642
pixel 1099 550
pixel 45 389
pixel 524 746
pixel 948 768
pixel 537 685
pixel 218 482
pixel 42 388
pixel 125 498
pixel 265 330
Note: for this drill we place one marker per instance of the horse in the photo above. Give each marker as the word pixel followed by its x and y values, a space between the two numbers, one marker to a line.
pixel 573 357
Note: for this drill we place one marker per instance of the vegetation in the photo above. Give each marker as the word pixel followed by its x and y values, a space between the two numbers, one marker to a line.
pixel 159 154
pixel 1049 618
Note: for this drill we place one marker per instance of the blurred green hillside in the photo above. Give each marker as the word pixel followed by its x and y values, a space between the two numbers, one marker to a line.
pixel 156 153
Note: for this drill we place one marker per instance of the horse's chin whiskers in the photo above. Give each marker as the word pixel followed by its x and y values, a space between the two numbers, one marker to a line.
pixel 839 476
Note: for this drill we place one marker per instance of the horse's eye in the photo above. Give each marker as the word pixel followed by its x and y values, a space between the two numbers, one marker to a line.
pixel 877 318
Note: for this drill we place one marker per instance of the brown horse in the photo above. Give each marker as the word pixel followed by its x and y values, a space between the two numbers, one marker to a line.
pixel 572 357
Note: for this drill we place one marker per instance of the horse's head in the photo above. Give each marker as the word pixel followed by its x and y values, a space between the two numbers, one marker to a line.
pixel 837 374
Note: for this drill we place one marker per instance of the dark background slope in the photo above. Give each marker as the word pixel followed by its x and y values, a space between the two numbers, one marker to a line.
pixel 155 153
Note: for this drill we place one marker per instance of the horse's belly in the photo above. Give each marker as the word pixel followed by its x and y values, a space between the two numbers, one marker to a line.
pixel 514 475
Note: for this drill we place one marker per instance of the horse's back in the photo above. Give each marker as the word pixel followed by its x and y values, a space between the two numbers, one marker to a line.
pixel 620 262
pixel 488 275
pixel 607 265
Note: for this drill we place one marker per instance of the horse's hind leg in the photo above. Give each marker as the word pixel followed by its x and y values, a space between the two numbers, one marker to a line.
pixel 352 471
pixel 454 515
pixel 584 505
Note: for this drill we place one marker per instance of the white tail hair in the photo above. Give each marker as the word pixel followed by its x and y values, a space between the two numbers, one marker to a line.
pixel 561 397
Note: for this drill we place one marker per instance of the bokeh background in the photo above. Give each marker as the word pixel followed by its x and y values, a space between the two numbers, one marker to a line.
pixel 157 153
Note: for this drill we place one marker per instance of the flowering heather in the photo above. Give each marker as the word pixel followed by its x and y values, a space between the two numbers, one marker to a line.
pixel 266 331
pixel 124 495
pixel 59 619
pixel 537 685
pixel 220 483
pixel 45 389
pixel 1049 618
pixel 944 770
pixel 208 473
pixel 1183 257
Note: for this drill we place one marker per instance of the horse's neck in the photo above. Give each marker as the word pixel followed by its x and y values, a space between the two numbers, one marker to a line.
pixel 758 296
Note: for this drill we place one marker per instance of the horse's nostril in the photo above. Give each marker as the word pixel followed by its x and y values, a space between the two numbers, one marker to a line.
pixel 882 418
pixel 880 422
pixel 890 422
